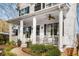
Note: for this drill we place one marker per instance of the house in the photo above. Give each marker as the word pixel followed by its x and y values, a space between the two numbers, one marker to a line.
pixel 44 23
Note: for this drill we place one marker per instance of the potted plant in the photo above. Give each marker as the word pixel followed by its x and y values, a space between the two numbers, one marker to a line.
pixel 19 42
pixel 28 43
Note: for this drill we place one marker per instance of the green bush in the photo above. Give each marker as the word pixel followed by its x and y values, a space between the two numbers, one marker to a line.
pixel 49 50
pixel 8 48
pixel 11 43
pixel 19 42
pixel 38 48
pixel 54 52
pixel 7 53
pixel 29 44
pixel 49 47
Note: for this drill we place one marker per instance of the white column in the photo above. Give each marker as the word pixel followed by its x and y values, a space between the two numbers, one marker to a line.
pixel 10 32
pixel 34 31
pixel 61 30
pixel 21 30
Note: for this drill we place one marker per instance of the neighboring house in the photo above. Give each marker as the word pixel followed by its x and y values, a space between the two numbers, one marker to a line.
pixel 4 31
pixel 44 23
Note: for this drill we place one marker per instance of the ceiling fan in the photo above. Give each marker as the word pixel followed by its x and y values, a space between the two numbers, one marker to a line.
pixel 50 17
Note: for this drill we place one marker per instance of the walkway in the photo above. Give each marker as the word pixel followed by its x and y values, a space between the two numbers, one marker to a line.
pixel 19 52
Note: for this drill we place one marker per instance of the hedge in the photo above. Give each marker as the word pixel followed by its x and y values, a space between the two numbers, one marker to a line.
pixel 47 50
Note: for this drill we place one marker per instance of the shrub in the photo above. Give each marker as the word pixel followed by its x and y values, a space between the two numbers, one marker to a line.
pixel 7 53
pixel 19 42
pixel 49 50
pixel 38 48
pixel 11 43
pixel 8 48
pixel 54 52
pixel 49 47
pixel 29 44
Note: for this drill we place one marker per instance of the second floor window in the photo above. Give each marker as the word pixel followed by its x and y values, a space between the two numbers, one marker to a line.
pixel 27 10
pixel 37 7
pixel 24 11
pixel 43 5
pixel 48 5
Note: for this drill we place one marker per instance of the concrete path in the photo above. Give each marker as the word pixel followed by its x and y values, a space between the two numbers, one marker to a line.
pixel 19 52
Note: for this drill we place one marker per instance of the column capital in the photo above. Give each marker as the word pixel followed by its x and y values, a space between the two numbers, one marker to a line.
pixel 60 8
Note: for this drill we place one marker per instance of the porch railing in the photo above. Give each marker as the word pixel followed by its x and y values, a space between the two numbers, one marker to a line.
pixel 38 39
pixel 48 40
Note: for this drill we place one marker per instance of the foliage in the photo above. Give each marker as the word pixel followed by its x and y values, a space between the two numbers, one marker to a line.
pixel 29 44
pixel 11 43
pixel 19 42
pixel 38 48
pixel 47 50
pixel 8 53
pixel 54 52
pixel 49 47
pixel 9 46
pixel 3 39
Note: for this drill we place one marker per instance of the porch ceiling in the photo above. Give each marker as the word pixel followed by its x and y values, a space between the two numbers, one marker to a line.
pixel 41 15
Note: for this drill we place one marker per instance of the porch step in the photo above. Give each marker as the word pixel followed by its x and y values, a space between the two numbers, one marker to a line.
pixel 23 45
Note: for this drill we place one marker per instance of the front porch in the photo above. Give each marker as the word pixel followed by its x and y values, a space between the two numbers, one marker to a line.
pixel 39 27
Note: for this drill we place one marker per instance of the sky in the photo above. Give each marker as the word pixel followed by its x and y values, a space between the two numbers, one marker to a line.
pixel 8 11
pixel 77 22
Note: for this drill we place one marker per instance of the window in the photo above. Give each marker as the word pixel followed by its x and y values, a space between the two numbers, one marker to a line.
pixel 43 5
pixel 55 3
pixel 37 6
pixel 27 10
pixel 37 29
pixel 24 11
pixel 55 28
pixel 15 31
pixel 51 29
pixel 44 29
pixel 24 30
pixel 28 32
pixel 29 28
pixel 48 4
